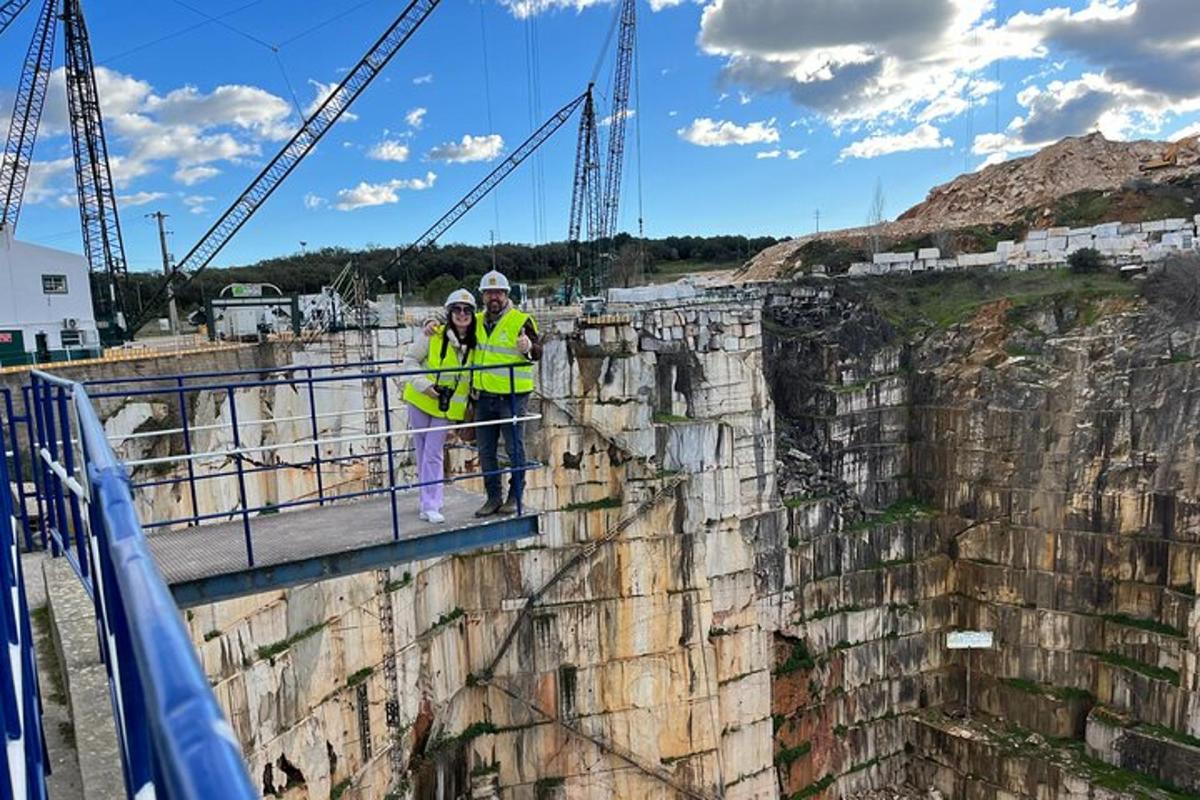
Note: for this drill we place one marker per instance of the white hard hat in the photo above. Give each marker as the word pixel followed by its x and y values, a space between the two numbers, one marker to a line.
pixel 460 296
pixel 494 280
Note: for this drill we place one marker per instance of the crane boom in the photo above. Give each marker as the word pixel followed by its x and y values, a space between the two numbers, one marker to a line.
pixel 9 12
pixel 620 111
pixel 585 198
pixel 102 243
pixel 300 145
pixel 481 190
pixel 26 113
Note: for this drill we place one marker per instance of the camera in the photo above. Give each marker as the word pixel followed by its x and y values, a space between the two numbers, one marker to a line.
pixel 444 393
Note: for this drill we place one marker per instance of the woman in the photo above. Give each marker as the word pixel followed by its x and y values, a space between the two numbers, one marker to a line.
pixel 438 399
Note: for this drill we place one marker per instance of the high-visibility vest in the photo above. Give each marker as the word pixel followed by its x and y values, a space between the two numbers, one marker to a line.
pixel 496 351
pixel 459 382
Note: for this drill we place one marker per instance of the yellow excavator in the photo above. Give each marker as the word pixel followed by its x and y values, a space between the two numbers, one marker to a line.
pixel 1170 156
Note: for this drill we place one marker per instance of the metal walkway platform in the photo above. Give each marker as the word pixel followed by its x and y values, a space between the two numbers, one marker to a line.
pixel 208 562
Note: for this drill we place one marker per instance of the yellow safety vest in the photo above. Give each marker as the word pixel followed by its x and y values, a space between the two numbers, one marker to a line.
pixel 497 351
pixel 459 382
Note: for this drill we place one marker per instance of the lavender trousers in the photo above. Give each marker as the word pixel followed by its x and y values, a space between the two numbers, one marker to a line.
pixel 429 446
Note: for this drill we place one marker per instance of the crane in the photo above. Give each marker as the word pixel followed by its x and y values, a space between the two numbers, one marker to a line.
pixel 481 190
pixel 9 12
pixel 601 203
pixel 26 114
pixel 623 72
pixel 300 145
pixel 585 197
pixel 102 243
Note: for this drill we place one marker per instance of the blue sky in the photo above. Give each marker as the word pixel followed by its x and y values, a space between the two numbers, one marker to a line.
pixel 752 114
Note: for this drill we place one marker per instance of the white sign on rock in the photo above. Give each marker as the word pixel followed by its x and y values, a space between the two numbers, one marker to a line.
pixel 969 640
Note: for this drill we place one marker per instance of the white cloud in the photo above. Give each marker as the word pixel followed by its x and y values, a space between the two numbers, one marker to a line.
pixel 877 64
pixel 416 117
pixel 321 93
pixel 522 9
pixel 795 154
pixel 469 148
pixel 139 198
pixel 187 130
pixel 190 176
pixel 197 203
pixel 423 79
pixel 707 132
pixel 248 108
pixel 608 120
pixel 922 137
pixel 313 201
pixel 768 153
pixel 378 194
pixel 389 150
pixel 46 177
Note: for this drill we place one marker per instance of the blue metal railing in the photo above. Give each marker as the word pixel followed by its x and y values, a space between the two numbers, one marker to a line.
pixel 174 740
pixel 23 756
pixel 177 390
pixel 12 424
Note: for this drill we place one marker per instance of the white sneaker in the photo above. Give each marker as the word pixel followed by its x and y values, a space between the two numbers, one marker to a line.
pixel 435 517
pixel 424 515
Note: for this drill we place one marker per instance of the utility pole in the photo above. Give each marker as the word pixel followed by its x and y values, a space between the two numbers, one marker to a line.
pixel 817 216
pixel 492 234
pixel 160 217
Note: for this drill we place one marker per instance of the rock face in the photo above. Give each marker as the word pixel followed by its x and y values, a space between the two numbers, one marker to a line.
pixel 763 514
pixel 641 669
pixel 1032 474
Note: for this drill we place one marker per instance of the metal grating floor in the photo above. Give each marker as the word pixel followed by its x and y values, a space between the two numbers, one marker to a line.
pixel 320 541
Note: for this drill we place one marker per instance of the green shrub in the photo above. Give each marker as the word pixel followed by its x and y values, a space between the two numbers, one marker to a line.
pixel 1086 260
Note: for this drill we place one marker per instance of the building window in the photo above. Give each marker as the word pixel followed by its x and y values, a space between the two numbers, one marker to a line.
pixel 54 284
pixel 72 338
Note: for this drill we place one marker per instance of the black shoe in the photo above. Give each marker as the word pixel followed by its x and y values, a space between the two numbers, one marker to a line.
pixel 509 507
pixel 490 507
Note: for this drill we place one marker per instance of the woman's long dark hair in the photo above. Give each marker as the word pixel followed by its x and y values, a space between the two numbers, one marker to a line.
pixel 467 340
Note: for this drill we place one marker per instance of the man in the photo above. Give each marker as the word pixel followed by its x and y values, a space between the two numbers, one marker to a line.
pixel 504 336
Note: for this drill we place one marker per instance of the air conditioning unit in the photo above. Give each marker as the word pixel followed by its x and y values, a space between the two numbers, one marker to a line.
pixel 71 323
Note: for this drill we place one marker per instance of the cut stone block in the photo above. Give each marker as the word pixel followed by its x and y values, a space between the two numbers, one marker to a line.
pixel 926 253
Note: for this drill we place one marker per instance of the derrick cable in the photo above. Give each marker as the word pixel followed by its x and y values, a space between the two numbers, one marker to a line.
pixel 174 34
pixel 637 133
pixel 487 89
pixel 529 88
pixel 287 81
pixel 539 163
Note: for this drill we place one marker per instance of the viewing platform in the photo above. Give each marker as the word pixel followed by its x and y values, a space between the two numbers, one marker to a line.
pixel 206 563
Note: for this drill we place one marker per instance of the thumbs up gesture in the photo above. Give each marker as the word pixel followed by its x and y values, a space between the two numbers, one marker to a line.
pixel 524 345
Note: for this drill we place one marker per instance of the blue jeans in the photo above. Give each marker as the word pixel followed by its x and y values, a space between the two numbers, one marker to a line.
pixel 500 406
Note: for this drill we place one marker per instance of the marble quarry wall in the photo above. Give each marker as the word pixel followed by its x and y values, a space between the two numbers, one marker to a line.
pixel 763 513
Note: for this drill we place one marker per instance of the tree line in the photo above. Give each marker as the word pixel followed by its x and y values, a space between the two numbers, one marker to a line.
pixel 427 273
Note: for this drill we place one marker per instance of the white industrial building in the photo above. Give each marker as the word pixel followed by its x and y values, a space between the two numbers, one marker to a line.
pixel 45 304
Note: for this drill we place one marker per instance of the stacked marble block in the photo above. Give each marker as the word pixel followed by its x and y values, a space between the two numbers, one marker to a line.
pixel 1046 248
